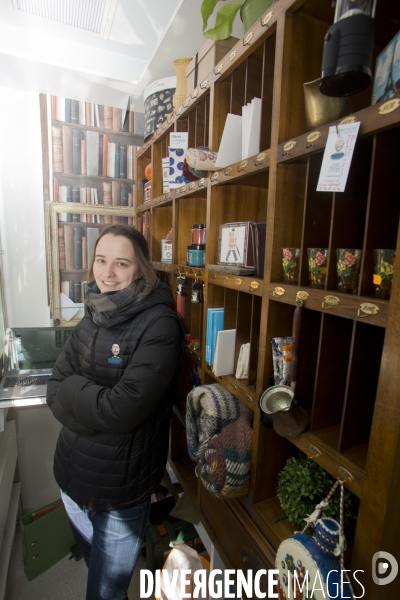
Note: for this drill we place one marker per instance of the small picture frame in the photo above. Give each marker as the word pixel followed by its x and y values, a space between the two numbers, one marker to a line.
pixel 233 244
pixel 387 72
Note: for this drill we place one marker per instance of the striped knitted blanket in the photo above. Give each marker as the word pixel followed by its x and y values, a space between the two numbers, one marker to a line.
pixel 219 435
pixel 224 466
pixel 208 409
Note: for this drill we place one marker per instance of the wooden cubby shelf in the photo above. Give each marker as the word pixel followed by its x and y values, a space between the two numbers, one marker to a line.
pixel 348 376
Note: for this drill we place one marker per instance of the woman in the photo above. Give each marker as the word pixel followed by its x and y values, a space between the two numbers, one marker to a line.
pixel 112 389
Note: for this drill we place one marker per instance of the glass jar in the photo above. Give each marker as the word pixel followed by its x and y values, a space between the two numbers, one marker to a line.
pixel 198 233
pixel 196 255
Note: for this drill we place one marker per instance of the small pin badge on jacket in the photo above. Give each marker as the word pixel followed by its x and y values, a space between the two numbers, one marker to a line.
pixel 115 359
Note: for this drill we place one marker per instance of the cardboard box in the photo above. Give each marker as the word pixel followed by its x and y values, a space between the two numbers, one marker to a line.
pixel 207 57
pixel 166 251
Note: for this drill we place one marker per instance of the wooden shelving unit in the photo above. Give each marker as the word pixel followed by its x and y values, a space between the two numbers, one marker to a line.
pixel 349 376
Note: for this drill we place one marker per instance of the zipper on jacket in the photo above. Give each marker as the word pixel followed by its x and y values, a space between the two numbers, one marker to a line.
pixel 92 354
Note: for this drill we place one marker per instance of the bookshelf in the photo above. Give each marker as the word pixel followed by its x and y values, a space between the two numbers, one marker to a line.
pixel 88 162
pixel 72 242
pixel 348 366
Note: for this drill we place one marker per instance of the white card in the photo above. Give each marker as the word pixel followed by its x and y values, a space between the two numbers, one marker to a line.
pixel 230 149
pixel 337 157
pixel 179 140
pixel 224 357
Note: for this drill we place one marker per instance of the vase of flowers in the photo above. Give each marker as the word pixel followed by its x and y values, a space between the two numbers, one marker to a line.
pixel 348 269
pixel 317 259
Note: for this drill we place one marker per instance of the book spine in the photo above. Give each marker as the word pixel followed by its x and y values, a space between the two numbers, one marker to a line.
pixel 65 288
pixel 125 189
pixel 129 163
pixel 92 235
pixel 107 200
pixel 116 193
pixel 57 146
pixel 67 149
pixel 69 247
pixel 92 151
pixel 131 121
pixel 88 114
pixel 69 199
pixel 61 248
pixel 101 116
pixel 125 124
pixel 96 115
pixel 78 235
pixel 105 155
pixel 77 136
pixel 53 104
pixel 116 119
pixel 83 157
pixel 139 224
pixel 123 161
pixel 101 149
pixel 71 292
pixel 74 111
pixel 60 109
pixel 108 117
pixel 117 159
pixel 67 110
pixel 130 200
pixel 77 291
pixel 84 252
pixel 56 190
pixel 92 121
pixel 82 113
pixel 111 159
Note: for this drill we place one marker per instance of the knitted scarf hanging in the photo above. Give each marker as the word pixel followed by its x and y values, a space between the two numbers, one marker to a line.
pixel 209 408
pixel 107 305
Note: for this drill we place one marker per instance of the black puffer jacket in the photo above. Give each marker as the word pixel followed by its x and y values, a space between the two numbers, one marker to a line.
pixel 112 450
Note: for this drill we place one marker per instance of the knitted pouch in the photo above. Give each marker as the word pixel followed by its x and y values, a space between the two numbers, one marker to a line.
pixel 224 466
pixel 208 409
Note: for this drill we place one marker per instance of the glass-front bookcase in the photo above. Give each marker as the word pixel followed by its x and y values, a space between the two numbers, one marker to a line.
pixel 72 233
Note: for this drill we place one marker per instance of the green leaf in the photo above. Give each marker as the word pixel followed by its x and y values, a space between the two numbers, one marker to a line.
pixel 224 22
pixel 207 9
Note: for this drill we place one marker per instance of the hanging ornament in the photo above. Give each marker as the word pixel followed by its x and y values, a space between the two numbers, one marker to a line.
pixel 196 292
pixel 308 565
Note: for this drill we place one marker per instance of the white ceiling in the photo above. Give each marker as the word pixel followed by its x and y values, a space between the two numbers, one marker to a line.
pixel 42 55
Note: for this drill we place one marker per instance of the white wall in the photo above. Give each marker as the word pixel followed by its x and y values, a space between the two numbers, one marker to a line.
pixel 21 210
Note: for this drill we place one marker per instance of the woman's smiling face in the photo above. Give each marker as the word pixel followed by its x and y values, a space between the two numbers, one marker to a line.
pixel 115 265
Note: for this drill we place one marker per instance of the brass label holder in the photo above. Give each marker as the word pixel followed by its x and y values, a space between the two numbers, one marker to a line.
pixel 367 309
pixel 348 120
pixel 288 147
pixel 330 302
pixel 259 158
pixel 248 38
pixel 265 20
pixel 313 137
pixel 278 292
pixel 389 106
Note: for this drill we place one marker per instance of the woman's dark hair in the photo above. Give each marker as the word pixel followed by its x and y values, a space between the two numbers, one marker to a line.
pixel 140 248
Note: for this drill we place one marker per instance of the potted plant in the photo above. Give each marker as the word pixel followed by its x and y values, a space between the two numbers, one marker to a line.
pixel 250 11
pixel 303 484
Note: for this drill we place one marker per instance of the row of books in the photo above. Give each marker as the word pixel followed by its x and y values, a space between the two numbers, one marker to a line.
pixel 110 193
pixel 76 152
pixel 74 290
pixel 91 115
pixel 143 224
pixel 76 244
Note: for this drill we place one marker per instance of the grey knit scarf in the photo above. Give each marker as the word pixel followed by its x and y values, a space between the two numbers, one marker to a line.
pixel 106 306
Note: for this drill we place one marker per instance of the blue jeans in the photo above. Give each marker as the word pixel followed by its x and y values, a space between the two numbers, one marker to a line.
pixel 110 543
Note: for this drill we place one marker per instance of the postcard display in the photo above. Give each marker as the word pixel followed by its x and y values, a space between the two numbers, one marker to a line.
pixel 329 200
